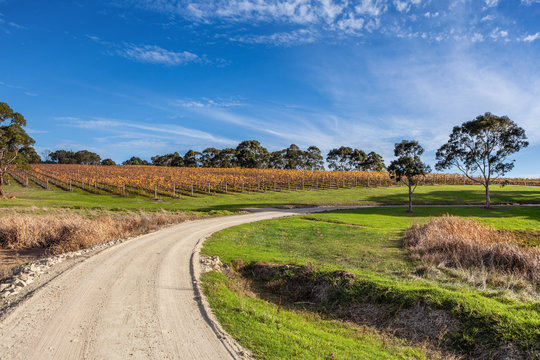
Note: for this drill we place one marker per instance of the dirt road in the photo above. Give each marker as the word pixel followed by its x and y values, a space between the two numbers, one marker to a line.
pixel 135 300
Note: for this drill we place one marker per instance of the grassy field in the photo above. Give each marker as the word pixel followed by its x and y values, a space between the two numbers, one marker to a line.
pixel 78 199
pixel 367 242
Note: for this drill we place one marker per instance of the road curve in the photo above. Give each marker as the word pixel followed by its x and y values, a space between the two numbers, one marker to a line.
pixel 135 300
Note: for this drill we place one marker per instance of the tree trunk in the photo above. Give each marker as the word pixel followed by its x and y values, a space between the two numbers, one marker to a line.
pixel 410 199
pixel 488 197
pixel 2 194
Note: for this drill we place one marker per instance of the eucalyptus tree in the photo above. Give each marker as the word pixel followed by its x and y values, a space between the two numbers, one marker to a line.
pixel 480 149
pixel 408 168
pixel 14 141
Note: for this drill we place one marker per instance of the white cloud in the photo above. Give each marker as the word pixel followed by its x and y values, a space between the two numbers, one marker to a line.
pixel 316 20
pixel 296 37
pixel 477 37
pixel 372 7
pixel 156 55
pixel 205 102
pixel 401 6
pixel 498 34
pixel 531 38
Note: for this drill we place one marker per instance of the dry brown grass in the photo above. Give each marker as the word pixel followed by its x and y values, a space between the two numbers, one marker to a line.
pixel 71 232
pixel 463 243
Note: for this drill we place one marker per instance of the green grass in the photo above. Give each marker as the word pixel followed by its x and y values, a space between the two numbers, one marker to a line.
pixel 292 335
pixel 455 194
pixel 360 239
pixel 367 243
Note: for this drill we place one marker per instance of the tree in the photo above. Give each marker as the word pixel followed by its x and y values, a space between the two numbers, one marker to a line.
pixel 277 160
pixel 174 159
pixel 293 157
pixel 86 157
pixel 227 158
pixel 13 141
pixel 340 159
pixel 357 160
pixel 108 162
pixel 313 159
pixel 28 156
pixel 374 162
pixel 210 158
pixel 251 154
pixel 135 161
pixel 481 147
pixel 62 157
pixel 408 167
pixel 192 158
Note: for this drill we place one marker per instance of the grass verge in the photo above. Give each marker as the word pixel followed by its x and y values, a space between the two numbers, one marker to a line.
pixel 497 319
pixel 271 333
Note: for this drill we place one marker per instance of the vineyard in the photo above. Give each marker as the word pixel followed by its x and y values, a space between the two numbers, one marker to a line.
pixel 175 182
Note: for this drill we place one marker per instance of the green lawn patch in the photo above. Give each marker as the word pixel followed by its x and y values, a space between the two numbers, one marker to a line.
pixel 366 242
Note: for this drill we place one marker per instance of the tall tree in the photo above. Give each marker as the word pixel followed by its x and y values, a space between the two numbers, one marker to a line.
pixel 313 159
pixel 192 158
pixel 374 162
pixel 86 157
pixel 293 157
pixel 135 161
pixel 173 159
pixel 340 159
pixel 277 160
pixel 480 149
pixel 358 160
pixel 13 139
pixel 251 154
pixel 63 157
pixel 210 158
pixel 408 168
pixel 227 158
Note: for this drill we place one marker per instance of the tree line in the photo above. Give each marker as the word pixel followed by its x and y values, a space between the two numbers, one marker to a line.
pixel 248 154
pixel 480 149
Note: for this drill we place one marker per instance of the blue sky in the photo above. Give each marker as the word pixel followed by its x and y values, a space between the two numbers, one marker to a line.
pixel 146 77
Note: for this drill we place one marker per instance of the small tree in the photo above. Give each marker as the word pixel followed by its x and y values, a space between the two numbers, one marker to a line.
pixel 408 167
pixel 14 141
pixel 108 162
pixel 481 147
pixel 135 161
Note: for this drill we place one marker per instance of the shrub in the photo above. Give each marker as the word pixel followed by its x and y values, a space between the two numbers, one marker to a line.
pixel 464 243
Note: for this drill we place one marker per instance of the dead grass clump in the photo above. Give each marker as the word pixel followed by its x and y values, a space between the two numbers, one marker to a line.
pixel 463 243
pixel 72 232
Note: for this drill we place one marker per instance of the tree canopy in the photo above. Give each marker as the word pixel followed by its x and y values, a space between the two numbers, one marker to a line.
pixel 480 149
pixel 251 154
pixel 408 167
pixel 83 157
pixel 15 143
pixel 135 161
pixel 346 159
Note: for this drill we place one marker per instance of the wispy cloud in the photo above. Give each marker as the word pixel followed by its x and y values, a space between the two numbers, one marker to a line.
pixel 153 54
pixel 205 103
pixel 317 20
pixel 167 129
pixel 295 37
pixel 532 37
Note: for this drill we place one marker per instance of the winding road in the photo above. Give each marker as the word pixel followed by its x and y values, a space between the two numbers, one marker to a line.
pixel 135 300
